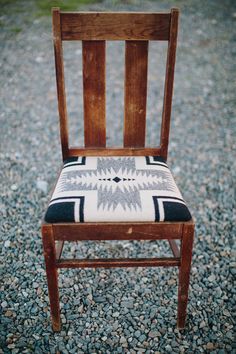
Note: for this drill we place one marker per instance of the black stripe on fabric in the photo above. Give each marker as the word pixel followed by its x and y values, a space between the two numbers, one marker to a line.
pixel 70 161
pixel 168 197
pixel 81 209
pixel 156 207
pixel 176 211
pixel 60 212
pixel 160 159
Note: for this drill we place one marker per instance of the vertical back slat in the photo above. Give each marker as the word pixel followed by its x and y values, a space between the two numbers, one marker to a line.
pixel 60 82
pixel 94 93
pixel 169 80
pixel 136 62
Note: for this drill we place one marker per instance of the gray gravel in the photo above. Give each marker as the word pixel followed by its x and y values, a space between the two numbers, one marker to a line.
pixel 133 310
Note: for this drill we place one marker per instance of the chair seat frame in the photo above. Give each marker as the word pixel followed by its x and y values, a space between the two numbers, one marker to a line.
pixel 84 26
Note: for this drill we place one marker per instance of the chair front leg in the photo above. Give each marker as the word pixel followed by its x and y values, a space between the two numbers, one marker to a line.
pixel 184 272
pixel 52 276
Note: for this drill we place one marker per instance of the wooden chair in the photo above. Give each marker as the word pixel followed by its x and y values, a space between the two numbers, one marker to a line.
pixel 136 29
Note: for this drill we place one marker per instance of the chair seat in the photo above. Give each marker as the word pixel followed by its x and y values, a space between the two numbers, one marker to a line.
pixel 116 189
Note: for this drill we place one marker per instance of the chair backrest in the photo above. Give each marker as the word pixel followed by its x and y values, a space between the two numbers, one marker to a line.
pixel 136 29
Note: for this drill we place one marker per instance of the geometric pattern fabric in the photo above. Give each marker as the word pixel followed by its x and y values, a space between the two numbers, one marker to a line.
pixel 116 189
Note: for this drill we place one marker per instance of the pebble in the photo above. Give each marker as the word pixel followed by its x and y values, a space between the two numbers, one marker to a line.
pixel 202 324
pixel 152 334
pixel 4 304
pixel 211 278
pixel 7 244
pixel 42 186
pixel 116 314
pixel 14 187
pixel 210 346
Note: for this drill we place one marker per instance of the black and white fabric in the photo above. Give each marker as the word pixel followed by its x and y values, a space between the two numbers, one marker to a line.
pixel 116 189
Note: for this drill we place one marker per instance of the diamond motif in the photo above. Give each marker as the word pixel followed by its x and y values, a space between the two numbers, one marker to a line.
pixel 117 179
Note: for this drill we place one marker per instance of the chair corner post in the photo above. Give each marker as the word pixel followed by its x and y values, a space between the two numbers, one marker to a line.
pixel 52 276
pixel 184 272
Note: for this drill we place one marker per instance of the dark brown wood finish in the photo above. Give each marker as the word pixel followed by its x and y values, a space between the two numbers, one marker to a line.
pixel 94 93
pixel 59 248
pixel 169 82
pixel 121 231
pixel 136 64
pixel 56 24
pixel 174 248
pixel 115 26
pixel 118 262
pixel 52 276
pixel 76 151
pixel 184 272
pixel 136 29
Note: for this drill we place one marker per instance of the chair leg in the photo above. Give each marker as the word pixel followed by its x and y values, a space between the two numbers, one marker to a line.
pixel 184 273
pixel 52 276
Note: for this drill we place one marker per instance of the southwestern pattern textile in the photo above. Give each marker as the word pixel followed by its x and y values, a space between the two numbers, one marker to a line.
pixel 117 189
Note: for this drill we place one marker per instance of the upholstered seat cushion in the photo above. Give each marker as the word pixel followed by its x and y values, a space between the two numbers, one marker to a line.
pixel 118 189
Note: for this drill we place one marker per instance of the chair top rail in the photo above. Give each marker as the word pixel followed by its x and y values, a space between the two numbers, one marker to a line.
pixel 115 26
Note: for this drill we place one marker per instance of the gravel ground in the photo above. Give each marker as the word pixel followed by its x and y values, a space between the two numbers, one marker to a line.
pixel 133 310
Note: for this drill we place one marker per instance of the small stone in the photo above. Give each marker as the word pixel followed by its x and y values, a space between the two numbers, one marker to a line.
pixel 168 348
pixel 94 314
pixel 14 187
pixel 7 243
pixel 116 314
pixel 42 186
pixel 142 338
pixel 211 278
pixel 127 304
pixel 11 346
pixel 176 170
pixel 123 340
pixel 202 324
pixel 4 304
pixel 39 59
pixel 8 313
pixel 226 313
pixel 90 297
pixel 81 308
pixel 152 334
pixel 137 334
pixel 99 299
pixel 210 346
pixel 36 337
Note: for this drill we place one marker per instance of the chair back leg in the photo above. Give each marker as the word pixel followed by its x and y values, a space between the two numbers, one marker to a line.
pixel 184 272
pixel 52 276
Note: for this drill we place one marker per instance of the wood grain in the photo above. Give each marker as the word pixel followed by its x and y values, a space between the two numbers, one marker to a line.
pixel 77 151
pixel 184 272
pixel 136 66
pixel 174 248
pixel 118 262
pixel 52 276
pixel 60 81
pixel 94 93
pixel 59 248
pixel 117 231
pixel 169 81
pixel 115 26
